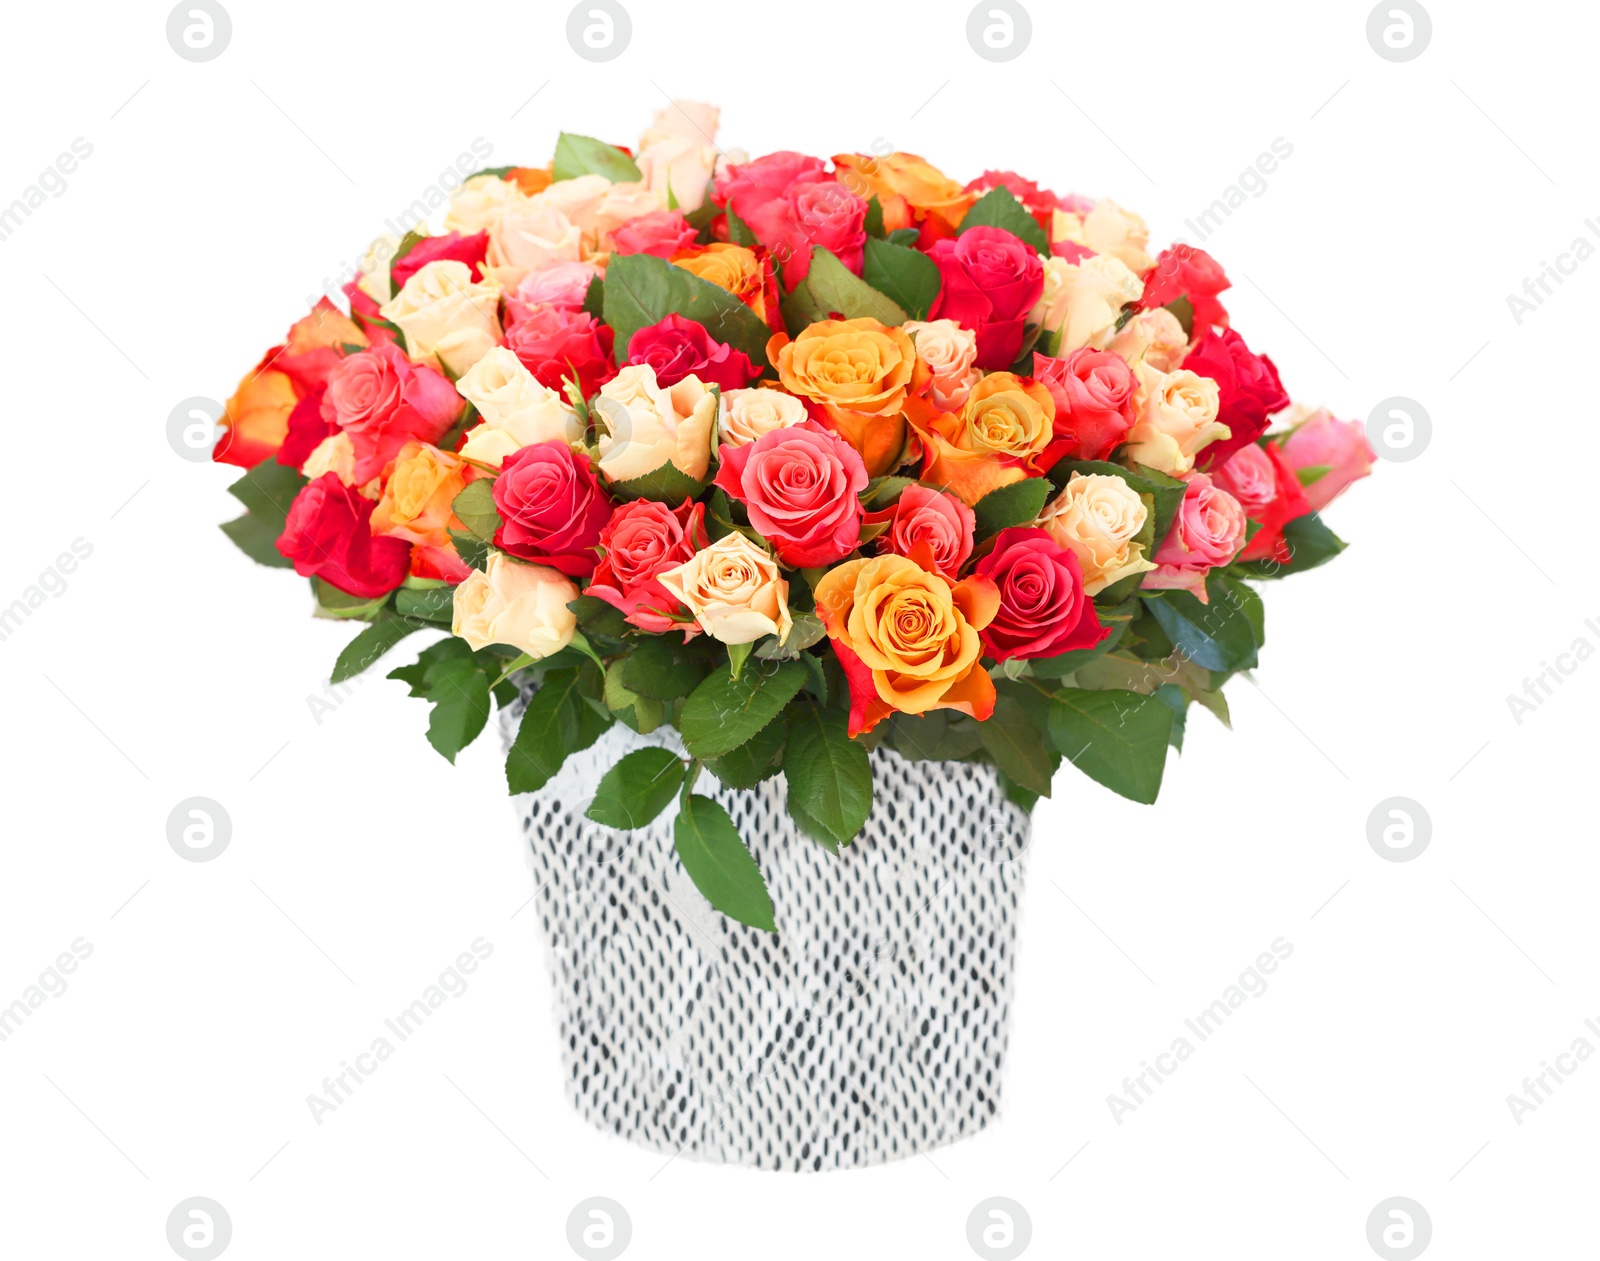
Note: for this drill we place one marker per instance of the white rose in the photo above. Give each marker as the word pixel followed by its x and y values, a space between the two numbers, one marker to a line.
pixel 645 426
pixel 532 233
pixel 449 321
pixel 1084 300
pixel 374 267
pixel 478 204
pixel 1175 416
pixel 622 204
pixel 1109 229
pixel 734 590
pixel 513 603
pixel 679 153
pixel 744 415
pixel 517 410
pixel 1096 518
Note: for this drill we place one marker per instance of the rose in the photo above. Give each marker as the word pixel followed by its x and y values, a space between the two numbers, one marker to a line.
pixel 1153 337
pixel 910 190
pixel 532 233
pixel 949 351
pixel 676 348
pixel 1085 300
pixel 1267 489
pixel 307 430
pixel 642 541
pixel 558 345
pixel 1183 271
pixel 517 410
pixel 382 401
pixel 820 213
pixel 1097 517
pixel 447 319
pixel 734 591
pixel 1175 415
pixel 1039 201
pixel 661 234
pixel 524 606
pixel 1208 531
pixel 564 285
pixel 996 438
pixel 857 373
pixel 1093 392
pixel 622 204
pixel 757 191
pixel 1338 447
pixel 327 536
pixel 799 486
pixel 678 153
pixel 551 507
pixel 1043 609
pixel 907 639
pixel 990 281
pixel 418 491
pixel 646 427
pixel 336 454
pixel 1109 229
pixel 745 273
pixel 744 415
pixel 478 204
pixel 1248 390
pixel 431 249
pixel 929 526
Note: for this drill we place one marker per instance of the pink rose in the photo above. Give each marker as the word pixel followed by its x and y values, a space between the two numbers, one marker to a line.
pixel 662 233
pixel 1208 531
pixel 825 213
pixel 1249 477
pixel 990 281
pixel 1043 611
pixel 452 245
pixel 564 285
pixel 552 509
pixel 1269 492
pixel 677 347
pixel 932 527
pixel 799 486
pixel 643 540
pixel 757 191
pixel 383 401
pixel 556 344
pixel 1093 391
pixel 1340 446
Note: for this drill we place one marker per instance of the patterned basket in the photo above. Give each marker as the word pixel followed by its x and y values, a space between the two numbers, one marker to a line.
pixel 871 1027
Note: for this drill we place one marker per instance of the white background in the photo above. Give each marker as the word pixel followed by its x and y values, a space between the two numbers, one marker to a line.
pixel 1377 263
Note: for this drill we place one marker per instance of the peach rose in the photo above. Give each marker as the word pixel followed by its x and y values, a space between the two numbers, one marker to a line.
pixel 745 415
pixel 1096 518
pixel 518 604
pixel 1175 416
pixel 857 373
pixel 1109 229
pixel 531 234
pixel 644 426
pixel 517 410
pixel 1085 300
pixel 1152 337
pixel 908 188
pixel 734 590
pixel 478 204
pixel 679 153
pixel 415 505
pixel 449 321
pixel 1005 423
pixel 949 351
pixel 335 454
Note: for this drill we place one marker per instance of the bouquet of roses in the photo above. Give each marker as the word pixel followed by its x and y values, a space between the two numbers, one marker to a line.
pixel 794 457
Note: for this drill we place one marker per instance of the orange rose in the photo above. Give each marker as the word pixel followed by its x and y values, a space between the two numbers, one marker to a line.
pixel 907 639
pixel 743 272
pixel 420 487
pixel 857 375
pixel 908 189
pixel 1006 422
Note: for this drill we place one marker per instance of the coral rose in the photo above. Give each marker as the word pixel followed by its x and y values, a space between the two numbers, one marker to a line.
pixel 551 508
pixel 930 526
pixel 1093 392
pixel 800 487
pixel 676 348
pixel 1268 490
pixel 990 280
pixel 382 401
pixel 557 345
pixel 642 541
pixel 1336 451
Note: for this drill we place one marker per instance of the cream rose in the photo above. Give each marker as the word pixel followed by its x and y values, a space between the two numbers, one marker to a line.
pixel 1085 300
pixel 478 204
pixel 949 351
pixel 334 454
pixel 734 590
pixel 512 603
pixel 531 234
pixel 1109 229
pixel 517 410
pixel 374 267
pixel 1096 518
pixel 645 426
pixel 1152 337
pixel 1175 416
pixel 449 321
pixel 744 415
pixel 679 152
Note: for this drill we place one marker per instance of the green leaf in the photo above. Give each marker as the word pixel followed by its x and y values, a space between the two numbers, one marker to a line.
pixel 997 208
pixel 1217 635
pixel 882 492
pixel 668 484
pixel 1118 618
pixel 829 774
pixel 874 220
pixel 594 298
pixel 830 287
pixel 435 604
pixel 459 690
pixel 662 669
pixel 1017 746
pixel 941 735
pixel 637 789
pixel 332 602
pixel 257 538
pixel 559 721
pixel 474 552
pixel 719 864
pixel 584 155
pixel 1310 544
pixel 415 675
pixel 638 712
pixel 371 644
pixel 903 236
pixel 738 654
pixel 268 490
pixel 906 276
pixel 1116 738
pixel 1015 504
pixel 807 630
pixel 1311 474
pixel 642 290
pixel 723 712
pixel 758 758
pixel 599 617
pixel 476 508
pixel 738 230
pixel 1173 696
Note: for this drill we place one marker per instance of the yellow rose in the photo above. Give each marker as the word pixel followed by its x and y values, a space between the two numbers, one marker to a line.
pixel 415 504
pixel 449 321
pixel 734 590
pixel 1096 518
pixel 513 603
pixel 645 426
pixel 908 188
pixel 992 441
pixel 907 638
pixel 744 415
pixel 1175 416
pixel 859 371
pixel 517 410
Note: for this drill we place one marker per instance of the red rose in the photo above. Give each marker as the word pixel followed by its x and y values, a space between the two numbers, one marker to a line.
pixel 551 507
pixel 1043 610
pixel 383 401
pixel 1186 272
pixel 990 281
pixel 1039 201
pixel 643 539
pixel 1248 386
pixel 677 347
pixel 1093 391
pixel 307 429
pixel 825 213
pixel 470 250
pixel 556 344
pixel 1265 485
pixel 932 527
pixel 757 191
pixel 799 485
pixel 661 233
pixel 327 536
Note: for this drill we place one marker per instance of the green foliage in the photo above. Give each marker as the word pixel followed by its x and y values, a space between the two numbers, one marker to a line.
pixel 997 208
pixel 563 717
pixel 1015 504
pixel 829 289
pixel 266 491
pixel 830 777
pixel 719 864
pixel 642 290
pixel 583 155
pixel 723 712
pixel 1117 738
pixel 638 788
pixel 906 276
